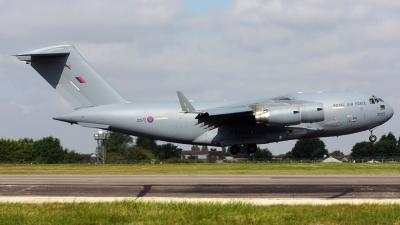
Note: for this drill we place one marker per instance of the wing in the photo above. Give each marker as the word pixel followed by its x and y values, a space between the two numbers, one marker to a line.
pixel 272 112
pixel 187 107
pixel 212 118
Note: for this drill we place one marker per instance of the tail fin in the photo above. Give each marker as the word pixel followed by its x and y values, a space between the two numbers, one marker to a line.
pixel 68 72
pixel 186 106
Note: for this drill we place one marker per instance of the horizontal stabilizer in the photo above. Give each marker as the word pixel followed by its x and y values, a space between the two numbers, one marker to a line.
pixel 28 56
pixel 94 125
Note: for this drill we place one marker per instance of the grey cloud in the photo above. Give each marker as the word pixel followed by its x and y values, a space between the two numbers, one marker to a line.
pixel 86 20
pixel 147 51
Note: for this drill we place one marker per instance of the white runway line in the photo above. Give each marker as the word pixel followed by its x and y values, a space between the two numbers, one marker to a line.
pixel 253 201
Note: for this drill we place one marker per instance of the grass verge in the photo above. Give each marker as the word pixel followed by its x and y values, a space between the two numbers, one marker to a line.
pixel 203 168
pixel 130 212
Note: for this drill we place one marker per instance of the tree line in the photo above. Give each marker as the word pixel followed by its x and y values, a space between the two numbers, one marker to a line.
pixel 314 148
pixel 45 150
pixel 386 147
pixel 120 147
pixel 310 148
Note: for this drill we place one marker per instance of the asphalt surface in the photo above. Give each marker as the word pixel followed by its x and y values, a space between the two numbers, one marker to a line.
pixel 204 186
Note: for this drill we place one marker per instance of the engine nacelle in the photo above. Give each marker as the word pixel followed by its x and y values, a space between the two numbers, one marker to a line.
pixel 290 115
pixel 279 116
pixel 312 112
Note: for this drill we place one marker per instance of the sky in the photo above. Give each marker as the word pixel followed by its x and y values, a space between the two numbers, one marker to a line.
pixel 209 50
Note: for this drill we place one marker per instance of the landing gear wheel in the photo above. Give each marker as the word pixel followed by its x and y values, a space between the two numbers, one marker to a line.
pixel 372 138
pixel 251 148
pixel 234 149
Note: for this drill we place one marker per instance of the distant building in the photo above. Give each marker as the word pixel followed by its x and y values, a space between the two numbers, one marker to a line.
pixel 228 159
pixel 217 155
pixel 204 155
pixel 329 159
pixel 196 154
pixel 240 157
pixel 90 158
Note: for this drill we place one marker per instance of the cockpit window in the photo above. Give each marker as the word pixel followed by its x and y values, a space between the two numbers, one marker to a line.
pixel 371 101
pixel 374 100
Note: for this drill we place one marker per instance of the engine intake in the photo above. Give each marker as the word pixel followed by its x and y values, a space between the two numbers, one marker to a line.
pixel 279 116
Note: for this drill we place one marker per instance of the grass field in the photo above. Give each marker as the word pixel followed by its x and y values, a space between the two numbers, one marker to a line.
pixel 131 212
pixel 204 168
pixel 202 213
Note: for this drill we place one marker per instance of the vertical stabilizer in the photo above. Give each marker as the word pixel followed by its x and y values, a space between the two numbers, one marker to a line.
pixel 186 106
pixel 68 72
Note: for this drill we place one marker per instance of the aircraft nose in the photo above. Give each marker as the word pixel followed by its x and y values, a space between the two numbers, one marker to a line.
pixel 389 111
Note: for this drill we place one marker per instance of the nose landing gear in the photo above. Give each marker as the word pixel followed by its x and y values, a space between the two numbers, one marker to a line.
pixel 372 138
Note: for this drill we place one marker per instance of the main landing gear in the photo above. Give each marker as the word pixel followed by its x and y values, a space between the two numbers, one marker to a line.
pixel 372 138
pixel 251 148
pixel 234 149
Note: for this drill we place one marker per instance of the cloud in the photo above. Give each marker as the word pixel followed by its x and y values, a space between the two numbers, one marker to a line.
pixel 248 49
pixel 26 109
pixel 86 20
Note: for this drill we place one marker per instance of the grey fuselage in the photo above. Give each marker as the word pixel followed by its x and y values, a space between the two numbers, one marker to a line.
pixel 344 113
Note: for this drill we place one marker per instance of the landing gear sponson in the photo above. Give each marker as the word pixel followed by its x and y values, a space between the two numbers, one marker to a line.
pixel 251 148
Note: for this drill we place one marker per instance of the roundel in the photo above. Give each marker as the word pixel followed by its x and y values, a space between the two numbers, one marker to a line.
pixel 150 119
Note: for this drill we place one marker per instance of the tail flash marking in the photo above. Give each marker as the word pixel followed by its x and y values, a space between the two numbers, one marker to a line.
pixel 74 85
pixel 187 108
pixel 81 80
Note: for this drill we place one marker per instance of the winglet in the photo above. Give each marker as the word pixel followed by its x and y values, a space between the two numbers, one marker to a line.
pixel 185 104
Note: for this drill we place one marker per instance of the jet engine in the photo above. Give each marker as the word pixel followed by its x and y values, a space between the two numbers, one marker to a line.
pixel 279 116
pixel 290 115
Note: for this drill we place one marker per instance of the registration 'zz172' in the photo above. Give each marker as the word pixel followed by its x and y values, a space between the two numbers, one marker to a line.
pixel 141 120
pixel 381 114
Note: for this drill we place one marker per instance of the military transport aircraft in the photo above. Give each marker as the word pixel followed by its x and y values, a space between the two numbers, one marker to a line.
pixel 223 123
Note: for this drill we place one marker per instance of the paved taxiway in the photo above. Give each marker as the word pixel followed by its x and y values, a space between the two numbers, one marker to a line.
pixel 284 187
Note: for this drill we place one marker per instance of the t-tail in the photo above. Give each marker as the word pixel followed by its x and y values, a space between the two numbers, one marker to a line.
pixel 68 72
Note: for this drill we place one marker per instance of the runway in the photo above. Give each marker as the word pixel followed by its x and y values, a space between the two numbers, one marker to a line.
pixel 340 188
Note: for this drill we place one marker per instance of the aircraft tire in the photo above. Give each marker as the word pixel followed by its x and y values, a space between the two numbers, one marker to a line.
pixel 251 148
pixel 234 149
pixel 372 138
